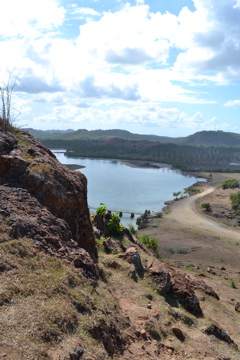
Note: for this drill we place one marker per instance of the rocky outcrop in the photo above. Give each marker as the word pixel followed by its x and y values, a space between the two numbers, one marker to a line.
pixel 181 285
pixel 216 330
pixel 27 164
pixel 26 217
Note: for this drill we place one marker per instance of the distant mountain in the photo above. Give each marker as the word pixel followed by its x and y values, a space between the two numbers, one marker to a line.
pixel 83 134
pixel 212 138
pixel 201 138
pixel 43 134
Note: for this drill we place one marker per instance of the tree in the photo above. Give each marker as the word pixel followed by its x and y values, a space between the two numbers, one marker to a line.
pixel 6 90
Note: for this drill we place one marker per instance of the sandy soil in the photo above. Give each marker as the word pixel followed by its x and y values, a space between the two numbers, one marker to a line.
pixel 187 233
pixel 185 211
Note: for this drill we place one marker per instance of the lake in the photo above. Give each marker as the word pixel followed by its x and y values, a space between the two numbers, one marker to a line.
pixel 122 187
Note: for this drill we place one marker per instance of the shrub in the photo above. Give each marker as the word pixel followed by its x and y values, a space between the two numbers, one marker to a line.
pixel 132 229
pixel 235 198
pixel 230 184
pixel 150 243
pixel 101 210
pixel 192 190
pixel 114 225
pixel 142 221
pixel 206 206
pixel 111 221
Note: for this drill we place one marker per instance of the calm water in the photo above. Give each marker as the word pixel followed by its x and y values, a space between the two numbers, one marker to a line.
pixel 122 187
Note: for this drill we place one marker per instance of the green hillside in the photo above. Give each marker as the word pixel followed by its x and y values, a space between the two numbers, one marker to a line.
pixel 43 134
pixel 83 134
pixel 201 138
pixel 212 138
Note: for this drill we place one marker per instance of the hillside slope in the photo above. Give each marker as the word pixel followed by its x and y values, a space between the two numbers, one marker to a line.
pixel 65 295
pixel 201 138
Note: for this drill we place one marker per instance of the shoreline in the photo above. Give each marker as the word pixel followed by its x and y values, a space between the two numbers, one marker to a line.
pixel 145 164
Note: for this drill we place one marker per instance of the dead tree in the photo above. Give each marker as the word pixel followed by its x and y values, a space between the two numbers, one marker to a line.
pixel 6 90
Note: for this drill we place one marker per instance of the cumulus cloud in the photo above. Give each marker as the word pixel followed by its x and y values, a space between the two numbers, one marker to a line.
pixel 28 16
pixel 129 36
pixel 231 103
pixel 129 54
pixel 85 11
pixel 89 89
pixel 34 85
pixel 213 40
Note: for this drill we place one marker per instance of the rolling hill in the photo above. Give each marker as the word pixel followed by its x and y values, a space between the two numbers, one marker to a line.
pixel 201 138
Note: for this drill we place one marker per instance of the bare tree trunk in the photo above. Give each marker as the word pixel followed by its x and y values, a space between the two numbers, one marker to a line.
pixel 6 120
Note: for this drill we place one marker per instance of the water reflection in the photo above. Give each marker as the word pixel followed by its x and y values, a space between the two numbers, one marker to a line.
pixel 123 187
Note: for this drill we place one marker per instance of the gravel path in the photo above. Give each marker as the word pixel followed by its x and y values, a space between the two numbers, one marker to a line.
pixel 184 211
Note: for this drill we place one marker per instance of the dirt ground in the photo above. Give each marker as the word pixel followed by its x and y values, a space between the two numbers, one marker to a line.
pixel 187 232
pixel 192 238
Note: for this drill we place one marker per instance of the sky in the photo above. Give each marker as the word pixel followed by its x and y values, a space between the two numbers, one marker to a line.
pixel 163 67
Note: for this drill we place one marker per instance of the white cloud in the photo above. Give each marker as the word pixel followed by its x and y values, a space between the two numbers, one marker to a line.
pixel 129 36
pixel 29 16
pixel 133 55
pixel 212 39
pixel 85 11
pixel 231 103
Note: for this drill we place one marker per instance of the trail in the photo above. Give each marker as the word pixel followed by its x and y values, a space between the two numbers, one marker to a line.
pixel 184 211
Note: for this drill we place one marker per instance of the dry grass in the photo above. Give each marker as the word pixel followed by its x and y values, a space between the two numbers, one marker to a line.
pixel 48 308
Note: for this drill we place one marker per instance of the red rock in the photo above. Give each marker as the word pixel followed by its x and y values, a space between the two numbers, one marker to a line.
pixel 62 191
pixel 27 218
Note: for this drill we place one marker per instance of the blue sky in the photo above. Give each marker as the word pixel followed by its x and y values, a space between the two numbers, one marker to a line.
pixel 151 67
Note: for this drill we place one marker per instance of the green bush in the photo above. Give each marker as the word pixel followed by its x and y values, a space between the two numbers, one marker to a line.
pixel 230 184
pixel 142 221
pixel 150 243
pixel 101 210
pixel 114 225
pixel 206 206
pixel 132 229
pixel 235 198
pixel 112 221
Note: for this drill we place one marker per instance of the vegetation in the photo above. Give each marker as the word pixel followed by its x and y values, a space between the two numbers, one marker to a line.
pixel 177 194
pixel 151 243
pixel 101 210
pixel 132 229
pixel 206 206
pixel 177 251
pixel 235 199
pixel 230 184
pixel 233 285
pixel 142 221
pixel 111 222
pixel 6 92
pixel 201 138
pixel 192 190
pixel 184 157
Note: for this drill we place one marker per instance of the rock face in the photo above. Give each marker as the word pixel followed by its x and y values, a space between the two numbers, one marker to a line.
pixel 27 164
pixel 27 218
pixel 182 285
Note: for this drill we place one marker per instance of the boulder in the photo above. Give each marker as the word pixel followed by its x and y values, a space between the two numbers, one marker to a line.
pixel 133 257
pixel 185 294
pixel 216 330
pixel 237 306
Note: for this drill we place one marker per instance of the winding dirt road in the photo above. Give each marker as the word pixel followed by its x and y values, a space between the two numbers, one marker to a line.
pixel 185 212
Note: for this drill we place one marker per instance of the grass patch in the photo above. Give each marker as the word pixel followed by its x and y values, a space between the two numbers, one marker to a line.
pixel 177 251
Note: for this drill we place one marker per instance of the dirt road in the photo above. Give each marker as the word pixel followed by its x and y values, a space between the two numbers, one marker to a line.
pixel 185 212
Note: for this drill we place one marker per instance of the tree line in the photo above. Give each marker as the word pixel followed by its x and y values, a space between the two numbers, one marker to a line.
pixel 184 157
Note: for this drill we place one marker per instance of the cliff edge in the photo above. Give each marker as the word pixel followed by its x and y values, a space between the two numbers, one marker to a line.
pixel 45 183
pixel 65 295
